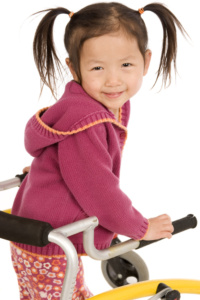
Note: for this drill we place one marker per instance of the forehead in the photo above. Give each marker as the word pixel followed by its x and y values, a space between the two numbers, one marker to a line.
pixel 110 45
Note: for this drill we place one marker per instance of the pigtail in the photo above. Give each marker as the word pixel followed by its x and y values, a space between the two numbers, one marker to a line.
pixel 46 59
pixel 169 45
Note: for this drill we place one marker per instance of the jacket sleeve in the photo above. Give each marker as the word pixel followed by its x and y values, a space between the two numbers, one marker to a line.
pixel 86 167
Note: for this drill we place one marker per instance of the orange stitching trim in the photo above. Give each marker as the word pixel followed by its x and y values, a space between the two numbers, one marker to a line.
pixel 124 143
pixel 79 129
pixel 145 232
pixel 120 115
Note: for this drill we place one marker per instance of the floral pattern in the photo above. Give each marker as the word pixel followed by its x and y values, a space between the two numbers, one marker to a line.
pixel 41 277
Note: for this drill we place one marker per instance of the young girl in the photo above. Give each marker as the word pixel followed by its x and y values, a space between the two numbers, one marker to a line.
pixel 77 143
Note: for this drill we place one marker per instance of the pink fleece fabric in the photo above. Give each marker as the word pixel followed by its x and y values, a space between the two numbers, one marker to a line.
pixel 77 145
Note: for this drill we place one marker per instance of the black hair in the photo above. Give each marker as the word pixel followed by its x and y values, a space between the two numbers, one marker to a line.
pixel 97 20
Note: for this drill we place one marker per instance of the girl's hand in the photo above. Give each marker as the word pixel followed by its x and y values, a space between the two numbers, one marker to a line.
pixel 26 170
pixel 159 227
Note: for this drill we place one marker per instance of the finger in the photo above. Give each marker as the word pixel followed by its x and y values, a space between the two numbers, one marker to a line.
pixel 165 217
pixel 26 170
pixel 168 235
pixel 167 227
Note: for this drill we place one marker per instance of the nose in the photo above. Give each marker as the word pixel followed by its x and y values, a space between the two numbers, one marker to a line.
pixel 113 79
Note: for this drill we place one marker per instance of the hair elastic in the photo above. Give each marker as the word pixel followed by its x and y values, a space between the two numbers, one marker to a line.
pixel 141 10
pixel 71 14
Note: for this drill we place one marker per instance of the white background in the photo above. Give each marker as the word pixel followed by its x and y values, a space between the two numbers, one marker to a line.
pixel 161 160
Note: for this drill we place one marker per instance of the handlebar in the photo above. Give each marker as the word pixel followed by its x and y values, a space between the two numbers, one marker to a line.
pixel 23 230
pixel 13 182
pixel 190 221
pixel 33 232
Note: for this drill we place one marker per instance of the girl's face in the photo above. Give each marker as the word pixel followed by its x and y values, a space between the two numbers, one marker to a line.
pixel 112 69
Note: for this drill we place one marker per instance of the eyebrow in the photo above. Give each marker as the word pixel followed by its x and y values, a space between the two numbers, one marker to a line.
pixel 94 61
pixel 128 57
pixel 100 61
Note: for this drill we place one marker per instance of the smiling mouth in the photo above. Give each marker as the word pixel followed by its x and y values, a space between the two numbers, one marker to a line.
pixel 113 95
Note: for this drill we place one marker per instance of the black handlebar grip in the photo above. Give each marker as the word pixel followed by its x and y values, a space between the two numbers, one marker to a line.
pixel 21 176
pixel 23 230
pixel 179 225
pixel 185 223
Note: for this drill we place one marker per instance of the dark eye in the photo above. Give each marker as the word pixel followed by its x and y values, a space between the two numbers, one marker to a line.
pixel 127 65
pixel 97 68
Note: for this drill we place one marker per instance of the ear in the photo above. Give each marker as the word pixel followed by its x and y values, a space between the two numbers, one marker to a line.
pixel 70 66
pixel 147 59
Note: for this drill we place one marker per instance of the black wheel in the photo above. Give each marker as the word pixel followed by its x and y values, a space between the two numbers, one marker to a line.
pixel 124 269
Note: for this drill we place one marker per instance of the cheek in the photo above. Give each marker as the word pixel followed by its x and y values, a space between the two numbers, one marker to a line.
pixel 91 87
pixel 92 81
pixel 139 82
pixel 135 82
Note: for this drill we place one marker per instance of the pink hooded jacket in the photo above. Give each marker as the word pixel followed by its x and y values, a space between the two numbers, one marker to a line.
pixel 77 145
